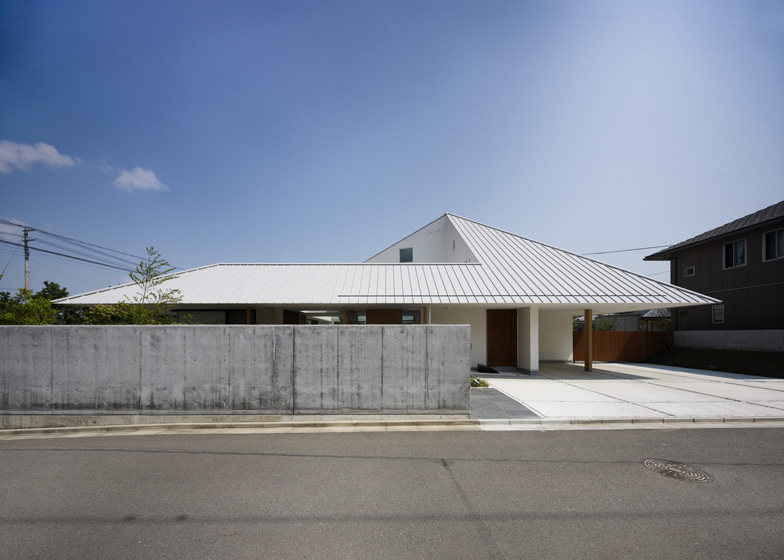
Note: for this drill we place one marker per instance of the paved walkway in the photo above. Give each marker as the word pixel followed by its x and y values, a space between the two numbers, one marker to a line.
pixel 620 390
pixel 491 404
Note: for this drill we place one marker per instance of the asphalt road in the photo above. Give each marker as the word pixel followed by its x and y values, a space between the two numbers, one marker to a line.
pixel 555 494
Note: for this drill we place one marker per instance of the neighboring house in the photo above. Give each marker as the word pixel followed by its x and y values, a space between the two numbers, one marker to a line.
pixel 518 295
pixel 742 264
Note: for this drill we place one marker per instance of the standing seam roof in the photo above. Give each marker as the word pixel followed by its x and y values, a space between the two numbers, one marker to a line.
pixel 511 270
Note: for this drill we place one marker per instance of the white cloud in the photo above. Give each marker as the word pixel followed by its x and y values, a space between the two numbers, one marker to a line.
pixel 14 155
pixel 138 179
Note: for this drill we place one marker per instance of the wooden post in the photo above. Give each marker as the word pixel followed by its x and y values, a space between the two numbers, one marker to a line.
pixel 588 340
pixel 272 316
pixel 247 315
pixel 425 318
pixel 344 316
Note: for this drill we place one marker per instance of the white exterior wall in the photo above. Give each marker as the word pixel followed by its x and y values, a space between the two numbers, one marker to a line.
pixel 474 316
pixel 456 249
pixel 437 242
pixel 428 244
pixel 528 339
pixel 555 336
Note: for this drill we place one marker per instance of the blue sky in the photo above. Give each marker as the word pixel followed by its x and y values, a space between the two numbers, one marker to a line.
pixel 325 131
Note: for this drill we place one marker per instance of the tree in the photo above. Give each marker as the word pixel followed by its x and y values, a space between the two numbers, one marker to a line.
pixel 151 303
pixel 25 308
pixel 605 323
pixel 51 290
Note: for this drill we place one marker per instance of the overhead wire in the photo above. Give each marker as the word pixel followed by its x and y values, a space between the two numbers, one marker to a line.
pixel 9 261
pixel 626 250
pixel 95 251
pixel 67 256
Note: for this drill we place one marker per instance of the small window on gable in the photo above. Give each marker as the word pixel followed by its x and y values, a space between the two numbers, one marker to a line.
pixel 689 271
pixel 407 255
pixel 453 245
pixel 735 254
pixel 774 245
pixel 718 314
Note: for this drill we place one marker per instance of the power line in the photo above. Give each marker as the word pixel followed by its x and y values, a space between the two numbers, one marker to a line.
pixel 9 261
pixel 67 256
pixel 74 240
pixel 110 260
pixel 95 251
pixel 626 250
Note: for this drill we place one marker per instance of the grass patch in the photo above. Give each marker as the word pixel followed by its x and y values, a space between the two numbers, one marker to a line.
pixel 478 382
pixel 765 364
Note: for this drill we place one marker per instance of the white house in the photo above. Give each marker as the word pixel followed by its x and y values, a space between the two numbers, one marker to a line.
pixel 518 295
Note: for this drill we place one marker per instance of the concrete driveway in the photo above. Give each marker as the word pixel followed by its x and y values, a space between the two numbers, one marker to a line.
pixel 628 391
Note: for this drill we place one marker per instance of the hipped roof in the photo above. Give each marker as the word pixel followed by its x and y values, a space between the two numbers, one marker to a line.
pixel 512 270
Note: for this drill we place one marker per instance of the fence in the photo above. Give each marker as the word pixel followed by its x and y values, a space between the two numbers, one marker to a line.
pixel 270 369
pixel 613 346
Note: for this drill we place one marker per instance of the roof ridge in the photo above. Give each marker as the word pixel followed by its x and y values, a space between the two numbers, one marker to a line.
pixel 623 270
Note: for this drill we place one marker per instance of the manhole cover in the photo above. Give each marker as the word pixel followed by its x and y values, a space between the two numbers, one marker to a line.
pixel 678 471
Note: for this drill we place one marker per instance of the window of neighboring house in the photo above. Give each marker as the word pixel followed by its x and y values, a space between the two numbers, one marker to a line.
pixel 735 254
pixel 407 255
pixel 774 245
pixel 718 314
pixel 689 271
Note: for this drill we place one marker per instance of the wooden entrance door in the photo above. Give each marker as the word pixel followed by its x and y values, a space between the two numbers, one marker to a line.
pixel 502 337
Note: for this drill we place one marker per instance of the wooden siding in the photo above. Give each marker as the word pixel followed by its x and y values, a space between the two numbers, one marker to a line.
pixel 619 346
pixel 753 294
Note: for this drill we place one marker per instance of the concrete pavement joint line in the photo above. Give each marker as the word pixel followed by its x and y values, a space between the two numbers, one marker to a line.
pixel 617 398
pixel 719 398
pixel 701 378
pixel 691 372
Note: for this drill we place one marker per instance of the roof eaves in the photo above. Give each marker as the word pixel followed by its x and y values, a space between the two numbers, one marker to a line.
pixel 724 231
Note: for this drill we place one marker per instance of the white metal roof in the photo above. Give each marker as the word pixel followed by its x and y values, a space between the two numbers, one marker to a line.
pixel 512 270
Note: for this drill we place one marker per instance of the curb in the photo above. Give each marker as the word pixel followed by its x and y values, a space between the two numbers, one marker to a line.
pixel 552 423
pixel 246 425
pixel 630 421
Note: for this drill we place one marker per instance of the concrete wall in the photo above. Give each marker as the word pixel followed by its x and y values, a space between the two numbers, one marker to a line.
pixel 769 340
pixel 274 369
pixel 555 336
pixel 473 316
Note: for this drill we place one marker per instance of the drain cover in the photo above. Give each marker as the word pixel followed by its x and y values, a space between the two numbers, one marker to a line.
pixel 678 471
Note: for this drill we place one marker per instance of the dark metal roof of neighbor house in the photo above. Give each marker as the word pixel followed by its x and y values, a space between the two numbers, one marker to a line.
pixel 758 218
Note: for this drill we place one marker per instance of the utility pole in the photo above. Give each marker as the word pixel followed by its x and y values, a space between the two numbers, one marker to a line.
pixel 27 239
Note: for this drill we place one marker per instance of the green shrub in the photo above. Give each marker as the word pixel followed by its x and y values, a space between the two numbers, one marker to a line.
pixel 478 382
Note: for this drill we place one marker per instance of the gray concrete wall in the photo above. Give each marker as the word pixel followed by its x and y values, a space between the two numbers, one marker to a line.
pixel 271 369
pixel 768 340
